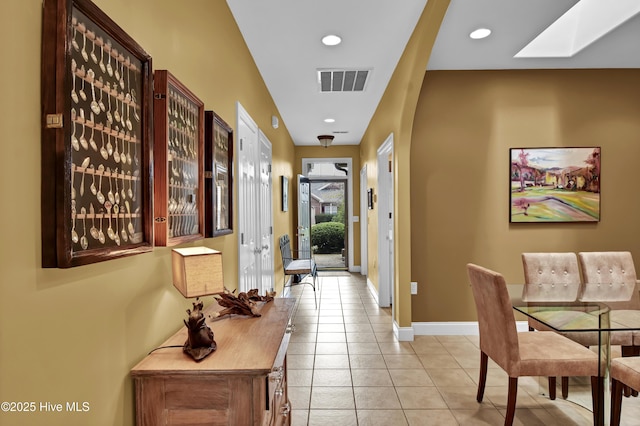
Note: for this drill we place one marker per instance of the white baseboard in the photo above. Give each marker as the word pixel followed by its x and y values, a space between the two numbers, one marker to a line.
pixel 373 290
pixel 403 334
pixel 355 269
pixel 286 292
pixel 454 328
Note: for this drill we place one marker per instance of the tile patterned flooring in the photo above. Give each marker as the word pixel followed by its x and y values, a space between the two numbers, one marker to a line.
pixel 345 367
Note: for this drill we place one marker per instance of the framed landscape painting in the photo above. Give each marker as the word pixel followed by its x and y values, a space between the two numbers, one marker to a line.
pixel 554 185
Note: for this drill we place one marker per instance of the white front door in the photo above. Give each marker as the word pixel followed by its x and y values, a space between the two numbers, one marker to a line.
pixel 386 273
pixel 265 216
pixel 335 169
pixel 304 217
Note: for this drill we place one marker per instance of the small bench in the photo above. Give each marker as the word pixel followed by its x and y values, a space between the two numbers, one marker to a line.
pixel 298 269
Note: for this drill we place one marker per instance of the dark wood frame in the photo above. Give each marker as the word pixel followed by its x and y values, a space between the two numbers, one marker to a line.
pixel 219 159
pixel 179 132
pixel 61 158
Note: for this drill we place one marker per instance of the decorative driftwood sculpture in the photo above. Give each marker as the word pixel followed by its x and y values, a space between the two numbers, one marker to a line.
pixel 200 341
pixel 243 304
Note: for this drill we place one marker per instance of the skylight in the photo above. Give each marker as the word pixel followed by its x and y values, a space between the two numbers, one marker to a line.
pixel 583 24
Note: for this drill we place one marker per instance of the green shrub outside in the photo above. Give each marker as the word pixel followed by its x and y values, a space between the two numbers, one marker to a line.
pixel 339 217
pixel 328 237
pixel 324 217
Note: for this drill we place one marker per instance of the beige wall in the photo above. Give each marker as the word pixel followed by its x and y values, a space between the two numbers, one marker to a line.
pixel 394 114
pixel 73 335
pixel 465 124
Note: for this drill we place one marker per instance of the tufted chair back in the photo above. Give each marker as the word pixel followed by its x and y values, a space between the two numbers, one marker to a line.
pixel 609 277
pixel 550 277
pixel 497 324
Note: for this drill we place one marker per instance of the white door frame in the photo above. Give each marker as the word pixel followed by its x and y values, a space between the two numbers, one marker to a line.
pixel 265 218
pixel 364 222
pixel 351 220
pixel 385 224
pixel 303 228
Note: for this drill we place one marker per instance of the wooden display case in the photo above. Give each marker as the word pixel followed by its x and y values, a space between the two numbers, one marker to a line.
pixel 178 162
pixel 96 112
pixel 218 176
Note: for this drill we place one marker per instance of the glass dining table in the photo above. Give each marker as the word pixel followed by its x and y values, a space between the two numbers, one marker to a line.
pixel 575 319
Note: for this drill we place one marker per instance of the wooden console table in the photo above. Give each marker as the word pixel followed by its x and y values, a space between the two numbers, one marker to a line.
pixel 244 382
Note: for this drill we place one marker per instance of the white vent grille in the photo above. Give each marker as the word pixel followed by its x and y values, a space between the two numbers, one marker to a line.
pixel 342 80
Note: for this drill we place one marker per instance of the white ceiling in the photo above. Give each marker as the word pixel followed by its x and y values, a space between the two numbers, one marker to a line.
pixel 284 39
pixel 515 23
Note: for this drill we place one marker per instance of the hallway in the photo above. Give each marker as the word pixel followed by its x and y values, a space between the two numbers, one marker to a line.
pixel 345 367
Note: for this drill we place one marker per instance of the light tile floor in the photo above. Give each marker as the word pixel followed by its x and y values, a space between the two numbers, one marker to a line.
pixel 345 367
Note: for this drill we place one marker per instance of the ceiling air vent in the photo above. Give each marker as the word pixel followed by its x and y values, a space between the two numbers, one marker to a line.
pixel 342 80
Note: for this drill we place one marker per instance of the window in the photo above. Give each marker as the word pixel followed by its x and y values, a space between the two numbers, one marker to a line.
pixel 319 168
pixel 331 209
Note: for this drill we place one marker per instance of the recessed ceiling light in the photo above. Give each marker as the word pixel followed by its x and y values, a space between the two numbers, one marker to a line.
pixel 329 120
pixel 331 40
pixel 480 33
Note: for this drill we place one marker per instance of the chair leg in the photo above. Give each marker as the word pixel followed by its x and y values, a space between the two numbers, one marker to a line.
pixel 314 276
pixel 315 299
pixel 597 399
pixel 484 360
pixel 629 351
pixel 552 387
pixel 616 401
pixel 565 387
pixel 511 401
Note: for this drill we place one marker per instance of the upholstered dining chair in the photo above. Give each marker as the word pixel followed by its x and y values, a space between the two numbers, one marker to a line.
pixel 540 353
pixel 625 372
pixel 610 277
pixel 551 277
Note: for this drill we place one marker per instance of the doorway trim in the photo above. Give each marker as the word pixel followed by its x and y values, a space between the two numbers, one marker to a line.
pixel 349 161
pixel 265 218
pixel 386 214
pixel 364 222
